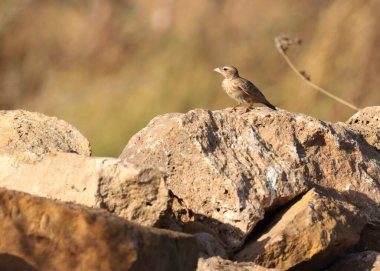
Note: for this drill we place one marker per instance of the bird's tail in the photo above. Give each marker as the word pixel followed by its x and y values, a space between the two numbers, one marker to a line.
pixel 271 106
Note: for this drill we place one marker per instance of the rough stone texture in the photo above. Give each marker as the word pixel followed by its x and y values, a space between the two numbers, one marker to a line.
pixel 219 264
pixel 229 167
pixel 363 261
pixel 208 246
pixel 133 192
pixel 308 235
pixel 222 158
pixel 45 235
pixel 28 136
pixel 367 123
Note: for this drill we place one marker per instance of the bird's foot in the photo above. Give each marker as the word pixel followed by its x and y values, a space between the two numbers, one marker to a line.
pixel 235 107
pixel 248 109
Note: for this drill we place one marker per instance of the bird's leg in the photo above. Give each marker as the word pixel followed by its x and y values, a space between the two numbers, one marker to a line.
pixel 234 108
pixel 248 108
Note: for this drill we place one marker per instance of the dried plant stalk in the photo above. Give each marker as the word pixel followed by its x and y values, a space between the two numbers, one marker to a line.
pixel 282 44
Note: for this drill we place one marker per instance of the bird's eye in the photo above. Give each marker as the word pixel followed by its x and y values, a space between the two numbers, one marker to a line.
pixel 224 69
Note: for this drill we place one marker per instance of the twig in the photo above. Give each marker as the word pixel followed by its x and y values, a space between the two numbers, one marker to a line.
pixel 282 45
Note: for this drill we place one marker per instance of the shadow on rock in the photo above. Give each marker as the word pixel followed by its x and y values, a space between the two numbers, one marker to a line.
pixel 10 262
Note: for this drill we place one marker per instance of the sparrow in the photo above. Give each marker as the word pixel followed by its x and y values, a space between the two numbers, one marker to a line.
pixel 240 89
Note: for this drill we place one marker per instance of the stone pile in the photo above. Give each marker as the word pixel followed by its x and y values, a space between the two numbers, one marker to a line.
pixel 204 190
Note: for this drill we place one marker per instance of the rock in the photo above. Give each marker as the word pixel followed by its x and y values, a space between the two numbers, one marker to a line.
pixel 12 263
pixel 221 168
pixel 363 261
pixel 208 246
pixel 195 227
pixel 219 264
pixel 308 236
pixel 370 238
pixel 29 136
pixel 46 235
pixel 133 192
pixel 367 123
pixel 230 167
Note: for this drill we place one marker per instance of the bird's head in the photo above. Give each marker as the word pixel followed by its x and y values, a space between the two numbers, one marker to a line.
pixel 228 72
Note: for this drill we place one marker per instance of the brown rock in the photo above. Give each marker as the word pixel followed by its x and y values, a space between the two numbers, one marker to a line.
pixel 229 167
pixel 133 192
pixel 363 261
pixel 41 234
pixel 367 123
pixel 219 264
pixel 28 136
pixel 308 236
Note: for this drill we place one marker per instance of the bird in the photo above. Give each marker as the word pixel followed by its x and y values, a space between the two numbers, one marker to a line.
pixel 241 89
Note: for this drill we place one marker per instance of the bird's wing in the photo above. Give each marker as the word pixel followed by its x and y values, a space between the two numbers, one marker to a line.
pixel 250 89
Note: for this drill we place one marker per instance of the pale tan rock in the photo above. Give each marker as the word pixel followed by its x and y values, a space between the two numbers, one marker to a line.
pixel 367 123
pixel 219 166
pixel 362 261
pixel 308 236
pixel 46 235
pixel 133 192
pixel 220 264
pixel 229 167
pixel 28 136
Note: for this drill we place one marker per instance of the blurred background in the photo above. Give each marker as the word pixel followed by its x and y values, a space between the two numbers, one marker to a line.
pixel 108 67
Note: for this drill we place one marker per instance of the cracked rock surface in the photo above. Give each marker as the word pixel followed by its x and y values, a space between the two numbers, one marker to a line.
pixel 253 190
pixel 309 235
pixel 133 192
pixel 230 167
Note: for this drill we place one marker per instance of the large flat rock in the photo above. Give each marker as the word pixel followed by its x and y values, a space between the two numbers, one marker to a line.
pixel 42 234
pixel 133 192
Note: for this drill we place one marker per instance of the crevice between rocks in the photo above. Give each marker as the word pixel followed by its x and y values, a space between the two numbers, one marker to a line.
pixel 271 217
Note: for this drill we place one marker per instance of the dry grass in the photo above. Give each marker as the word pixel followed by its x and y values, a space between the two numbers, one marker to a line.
pixel 108 67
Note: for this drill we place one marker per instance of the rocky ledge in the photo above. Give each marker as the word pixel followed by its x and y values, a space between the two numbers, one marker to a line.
pixel 204 190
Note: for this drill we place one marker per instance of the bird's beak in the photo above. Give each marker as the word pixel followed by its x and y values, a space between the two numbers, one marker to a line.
pixel 218 70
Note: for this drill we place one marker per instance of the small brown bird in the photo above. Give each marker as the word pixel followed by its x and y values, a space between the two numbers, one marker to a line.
pixel 240 89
